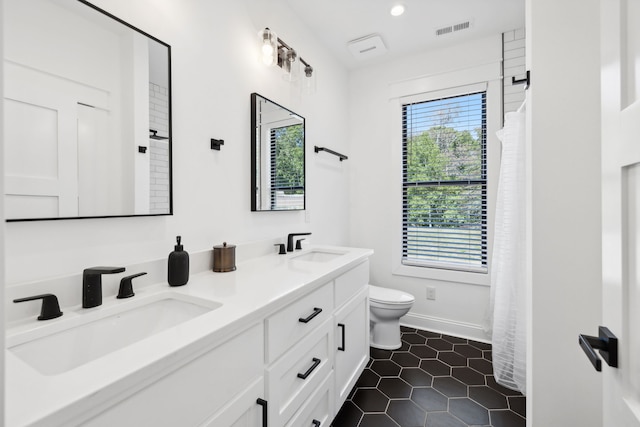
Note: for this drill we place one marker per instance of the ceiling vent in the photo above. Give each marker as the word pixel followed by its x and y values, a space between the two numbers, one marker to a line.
pixel 449 29
pixel 367 47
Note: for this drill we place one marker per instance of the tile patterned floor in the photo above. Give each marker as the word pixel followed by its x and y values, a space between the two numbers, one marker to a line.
pixel 433 380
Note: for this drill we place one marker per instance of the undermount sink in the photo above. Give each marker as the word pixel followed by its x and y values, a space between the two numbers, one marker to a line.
pixel 85 341
pixel 318 256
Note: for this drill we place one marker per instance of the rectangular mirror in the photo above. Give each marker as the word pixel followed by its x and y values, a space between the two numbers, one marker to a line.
pixel 277 157
pixel 87 113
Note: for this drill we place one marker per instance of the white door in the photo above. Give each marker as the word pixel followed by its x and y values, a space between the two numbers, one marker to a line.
pixel 620 44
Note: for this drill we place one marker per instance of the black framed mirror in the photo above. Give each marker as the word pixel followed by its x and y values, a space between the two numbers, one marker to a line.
pixel 87 114
pixel 277 157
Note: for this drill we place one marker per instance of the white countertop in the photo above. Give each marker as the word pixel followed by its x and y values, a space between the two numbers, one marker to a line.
pixel 257 288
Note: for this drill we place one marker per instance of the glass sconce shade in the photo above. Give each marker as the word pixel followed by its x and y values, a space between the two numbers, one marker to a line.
pixel 290 65
pixel 268 46
pixel 309 80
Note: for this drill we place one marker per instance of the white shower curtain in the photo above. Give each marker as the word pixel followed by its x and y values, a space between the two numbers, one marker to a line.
pixel 508 267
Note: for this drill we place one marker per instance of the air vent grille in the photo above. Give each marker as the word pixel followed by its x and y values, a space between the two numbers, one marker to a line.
pixel 461 26
pixel 453 28
pixel 443 31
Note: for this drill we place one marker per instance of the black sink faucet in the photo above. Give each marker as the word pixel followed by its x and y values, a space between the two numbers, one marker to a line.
pixel 92 284
pixel 290 240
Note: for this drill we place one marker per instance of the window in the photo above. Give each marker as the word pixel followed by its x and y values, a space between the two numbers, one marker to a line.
pixel 287 167
pixel 444 183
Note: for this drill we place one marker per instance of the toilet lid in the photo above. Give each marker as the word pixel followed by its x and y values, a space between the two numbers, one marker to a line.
pixel 389 296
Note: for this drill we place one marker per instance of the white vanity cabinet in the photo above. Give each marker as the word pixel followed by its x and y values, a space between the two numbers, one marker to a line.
pixel 218 388
pixel 280 350
pixel 351 322
pixel 317 347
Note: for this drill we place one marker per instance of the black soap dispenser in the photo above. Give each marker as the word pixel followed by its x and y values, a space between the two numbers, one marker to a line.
pixel 178 268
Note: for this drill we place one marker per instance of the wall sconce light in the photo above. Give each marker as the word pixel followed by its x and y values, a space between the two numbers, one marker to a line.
pixel 309 79
pixel 268 46
pixel 275 51
pixel 290 65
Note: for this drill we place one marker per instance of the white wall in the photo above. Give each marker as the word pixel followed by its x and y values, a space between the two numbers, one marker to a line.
pixel 214 69
pixel 2 228
pixel 514 66
pixel 460 307
pixel 564 141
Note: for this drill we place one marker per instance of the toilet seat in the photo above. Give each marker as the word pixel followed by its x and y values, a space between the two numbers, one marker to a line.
pixel 389 296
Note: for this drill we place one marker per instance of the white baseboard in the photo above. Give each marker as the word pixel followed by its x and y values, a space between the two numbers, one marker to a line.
pixel 446 326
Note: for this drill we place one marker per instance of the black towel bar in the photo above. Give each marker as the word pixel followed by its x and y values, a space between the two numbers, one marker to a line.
pixel 341 156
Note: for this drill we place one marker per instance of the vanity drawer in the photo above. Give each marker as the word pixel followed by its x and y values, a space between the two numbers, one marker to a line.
pixel 293 378
pixel 351 282
pixel 297 320
pixel 317 409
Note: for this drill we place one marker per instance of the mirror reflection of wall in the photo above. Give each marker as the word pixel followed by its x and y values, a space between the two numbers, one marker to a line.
pixel 278 170
pixel 159 168
pixel 79 106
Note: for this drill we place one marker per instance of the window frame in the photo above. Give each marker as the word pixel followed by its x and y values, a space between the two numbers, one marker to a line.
pixel 476 79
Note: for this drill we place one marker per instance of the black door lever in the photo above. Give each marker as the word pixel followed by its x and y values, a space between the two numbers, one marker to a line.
pixel 605 342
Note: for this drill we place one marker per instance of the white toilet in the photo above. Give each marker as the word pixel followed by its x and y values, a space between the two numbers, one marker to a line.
pixel 386 307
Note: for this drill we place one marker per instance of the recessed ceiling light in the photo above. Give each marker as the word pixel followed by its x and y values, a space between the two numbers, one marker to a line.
pixel 397 10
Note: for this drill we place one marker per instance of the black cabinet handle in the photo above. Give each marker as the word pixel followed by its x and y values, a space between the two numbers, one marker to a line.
pixel 316 362
pixel 316 423
pixel 316 311
pixel 263 403
pixel 606 342
pixel 344 331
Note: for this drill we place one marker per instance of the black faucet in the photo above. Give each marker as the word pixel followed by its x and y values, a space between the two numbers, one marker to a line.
pixel 50 308
pixel 290 240
pixel 92 284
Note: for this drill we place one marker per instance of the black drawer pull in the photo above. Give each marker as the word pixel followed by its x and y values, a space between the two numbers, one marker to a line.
pixel 316 311
pixel 263 403
pixel 316 423
pixel 316 362
pixel 341 326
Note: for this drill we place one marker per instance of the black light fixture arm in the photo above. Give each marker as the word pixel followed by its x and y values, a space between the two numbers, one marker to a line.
pixel 308 68
pixel 335 153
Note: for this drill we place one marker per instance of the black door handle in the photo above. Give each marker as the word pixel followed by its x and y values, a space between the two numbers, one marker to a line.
pixel 316 362
pixel 342 326
pixel 316 311
pixel 316 423
pixel 263 403
pixel 605 342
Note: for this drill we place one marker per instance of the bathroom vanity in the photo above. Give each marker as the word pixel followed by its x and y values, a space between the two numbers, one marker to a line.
pixel 278 342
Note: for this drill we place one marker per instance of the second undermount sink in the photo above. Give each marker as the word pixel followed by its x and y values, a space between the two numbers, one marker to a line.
pixel 85 341
pixel 318 256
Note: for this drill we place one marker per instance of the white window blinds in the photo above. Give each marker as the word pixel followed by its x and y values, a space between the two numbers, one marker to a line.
pixel 444 186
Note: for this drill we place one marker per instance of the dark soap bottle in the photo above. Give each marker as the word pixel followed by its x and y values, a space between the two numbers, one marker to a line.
pixel 178 268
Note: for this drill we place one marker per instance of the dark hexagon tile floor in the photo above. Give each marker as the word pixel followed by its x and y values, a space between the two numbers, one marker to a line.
pixel 433 380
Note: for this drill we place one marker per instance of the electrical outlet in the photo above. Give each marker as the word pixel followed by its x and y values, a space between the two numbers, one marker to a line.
pixel 307 217
pixel 431 293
